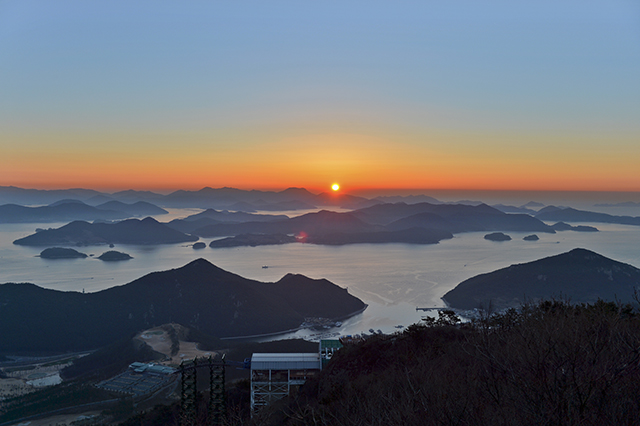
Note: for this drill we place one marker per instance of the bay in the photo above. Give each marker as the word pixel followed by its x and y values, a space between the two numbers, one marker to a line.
pixel 393 279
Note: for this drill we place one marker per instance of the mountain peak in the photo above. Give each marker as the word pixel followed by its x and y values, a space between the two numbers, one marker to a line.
pixel 149 219
pixel 202 266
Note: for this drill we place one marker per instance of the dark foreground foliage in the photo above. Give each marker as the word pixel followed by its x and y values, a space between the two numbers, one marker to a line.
pixel 549 364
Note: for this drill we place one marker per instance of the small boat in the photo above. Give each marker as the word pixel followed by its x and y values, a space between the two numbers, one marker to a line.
pixel 265 266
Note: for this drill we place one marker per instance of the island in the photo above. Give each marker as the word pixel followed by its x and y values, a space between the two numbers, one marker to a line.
pixel 419 223
pixel 532 237
pixel 140 208
pixel 497 236
pixel 253 240
pixel 199 245
pixel 131 231
pixel 562 226
pixel 112 256
pixel 61 253
pixel 569 214
pixel 65 210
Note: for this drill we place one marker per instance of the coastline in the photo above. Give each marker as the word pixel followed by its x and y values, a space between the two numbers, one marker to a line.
pixel 293 330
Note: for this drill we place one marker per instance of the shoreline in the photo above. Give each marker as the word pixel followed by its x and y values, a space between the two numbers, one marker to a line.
pixel 253 336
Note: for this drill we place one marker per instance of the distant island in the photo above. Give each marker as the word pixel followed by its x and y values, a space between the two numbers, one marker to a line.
pixel 421 223
pixel 198 295
pixel 135 203
pixel 454 218
pixel 561 226
pixel 497 236
pixel 312 223
pixel 253 240
pixel 61 253
pixel 407 236
pixel 112 256
pixel 131 231
pixel 532 237
pixel 569 214
pixel 514 209
pixel 580 276
pixel 68 211
pixel 209 217
pixel 140 208
pixel 623 204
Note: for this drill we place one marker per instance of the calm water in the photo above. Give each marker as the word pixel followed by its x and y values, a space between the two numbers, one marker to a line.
pixel 393 279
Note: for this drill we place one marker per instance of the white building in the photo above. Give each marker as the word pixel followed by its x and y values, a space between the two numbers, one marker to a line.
pixel 274 376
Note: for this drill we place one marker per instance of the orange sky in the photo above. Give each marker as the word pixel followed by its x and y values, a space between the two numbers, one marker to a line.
pixel 453 95
pixel 259 160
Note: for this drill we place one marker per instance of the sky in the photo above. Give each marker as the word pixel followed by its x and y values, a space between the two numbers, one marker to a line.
pixel 460 94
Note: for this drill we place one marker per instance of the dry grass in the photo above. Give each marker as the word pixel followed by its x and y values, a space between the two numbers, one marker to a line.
pixel 160 341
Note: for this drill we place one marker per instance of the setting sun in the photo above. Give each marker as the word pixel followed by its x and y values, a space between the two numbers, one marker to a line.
pixel 335 186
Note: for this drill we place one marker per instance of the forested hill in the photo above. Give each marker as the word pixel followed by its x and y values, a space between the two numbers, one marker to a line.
pixel 580 275
pixel 198 295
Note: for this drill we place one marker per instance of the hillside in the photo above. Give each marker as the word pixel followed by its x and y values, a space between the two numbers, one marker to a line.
pixel 580 275
pixel 198 295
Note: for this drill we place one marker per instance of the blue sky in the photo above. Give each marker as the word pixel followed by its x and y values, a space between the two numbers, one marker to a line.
pixel 442 77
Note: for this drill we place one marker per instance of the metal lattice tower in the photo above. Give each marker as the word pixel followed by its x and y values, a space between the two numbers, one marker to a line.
pixel 189 400
pixel 217 394
pixel 217 408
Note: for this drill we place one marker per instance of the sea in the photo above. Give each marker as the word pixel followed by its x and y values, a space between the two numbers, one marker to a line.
pixel 401 283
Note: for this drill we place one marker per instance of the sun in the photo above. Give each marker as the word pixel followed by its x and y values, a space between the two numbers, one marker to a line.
pixel 335 187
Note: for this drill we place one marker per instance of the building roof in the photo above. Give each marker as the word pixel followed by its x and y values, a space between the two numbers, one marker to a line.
pixel 330 343
pixel 140 367
pixel 286 361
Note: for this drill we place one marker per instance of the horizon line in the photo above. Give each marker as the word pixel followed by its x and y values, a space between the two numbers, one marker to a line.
pixel 406 190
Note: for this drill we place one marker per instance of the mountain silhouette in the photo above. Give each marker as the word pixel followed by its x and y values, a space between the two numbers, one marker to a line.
pixel 452 217
pixel 580 275
pixel 58 212
pixel 569 214
pixel 322 222
pixel 198 295
pixel 139 208
pixel 131 231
